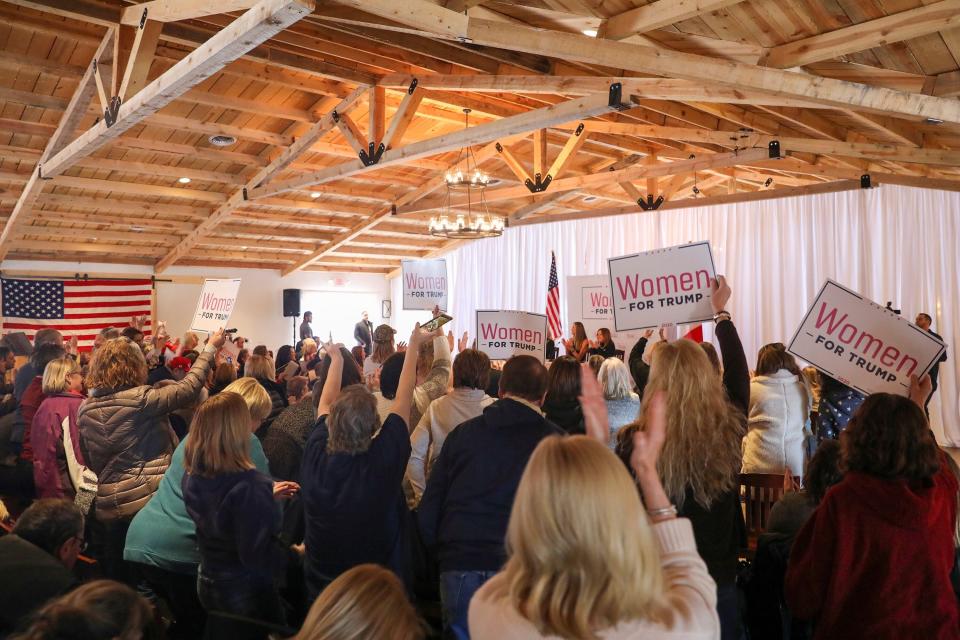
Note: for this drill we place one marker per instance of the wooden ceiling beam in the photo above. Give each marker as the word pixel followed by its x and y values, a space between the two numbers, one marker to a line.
pixel 174 10
pixel 575 47
pixel 505 127
pixel 657 15
pixel 235 200
pixel 258 24
pixel 904 25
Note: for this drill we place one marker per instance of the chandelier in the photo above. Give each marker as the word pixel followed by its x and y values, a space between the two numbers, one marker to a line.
pixel 468 218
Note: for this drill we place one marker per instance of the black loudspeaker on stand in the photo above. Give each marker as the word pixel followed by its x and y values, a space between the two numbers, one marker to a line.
pixel 291 308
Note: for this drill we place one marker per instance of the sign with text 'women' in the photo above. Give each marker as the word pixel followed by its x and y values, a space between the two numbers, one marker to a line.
pixel 663 286
pixel 217 299
pixel 862 344
pixel 424 284
pixel 503 334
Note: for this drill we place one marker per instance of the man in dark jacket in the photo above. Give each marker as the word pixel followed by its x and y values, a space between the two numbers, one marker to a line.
pixel 36 559
pixel 924 321
pixel 465 509
pixel 363 333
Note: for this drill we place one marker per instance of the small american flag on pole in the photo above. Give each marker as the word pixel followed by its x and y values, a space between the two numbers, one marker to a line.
pixel 553 300
pixel 74 307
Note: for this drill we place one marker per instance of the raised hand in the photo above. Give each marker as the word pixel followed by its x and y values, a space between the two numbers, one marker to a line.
pixel 663 334
pixel 450 339
pixel 648 333
pixel 721 294
pixel 648 442
pixel 402 346
pixel 419 337
pixel 217 338
pixel 790 484
pixel 464 341
pixel 594 407
pixel 920 389
pixel 436 310
pixel 333 350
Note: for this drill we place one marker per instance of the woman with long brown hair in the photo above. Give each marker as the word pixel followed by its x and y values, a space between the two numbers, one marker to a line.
pixel 700 461
pixel 779 409
pixel 578 344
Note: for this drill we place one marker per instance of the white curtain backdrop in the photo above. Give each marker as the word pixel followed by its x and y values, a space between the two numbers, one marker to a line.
pixel 890 243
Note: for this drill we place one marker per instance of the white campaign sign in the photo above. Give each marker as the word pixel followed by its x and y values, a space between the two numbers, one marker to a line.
pixel 502 334
pixel 424 284
pixel 217 299
pixel 589 301
pixel 663 286
pixel 862 344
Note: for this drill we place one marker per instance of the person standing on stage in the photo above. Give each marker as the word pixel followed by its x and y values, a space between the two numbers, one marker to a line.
pixel 363 333
pixel 306 331
pixel 924 321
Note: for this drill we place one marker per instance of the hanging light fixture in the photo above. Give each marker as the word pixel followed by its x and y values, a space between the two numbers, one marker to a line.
pixel 470 219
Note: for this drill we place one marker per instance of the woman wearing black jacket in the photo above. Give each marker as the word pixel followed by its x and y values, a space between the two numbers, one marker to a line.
pixel 261 369
pixel 701 458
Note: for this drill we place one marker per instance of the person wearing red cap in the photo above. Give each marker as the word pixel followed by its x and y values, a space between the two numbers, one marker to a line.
pixel 175 369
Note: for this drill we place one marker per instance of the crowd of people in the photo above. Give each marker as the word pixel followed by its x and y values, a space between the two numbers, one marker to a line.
pixel 164 488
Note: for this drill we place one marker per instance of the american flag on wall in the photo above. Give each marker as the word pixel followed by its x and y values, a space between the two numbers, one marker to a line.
pixel 74 307
pixel 553 300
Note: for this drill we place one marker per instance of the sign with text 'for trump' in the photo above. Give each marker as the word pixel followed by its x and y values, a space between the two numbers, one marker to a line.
pixel 216 303
pixel 424 284
pixel 862 344
pixel 662 287
pixel 503 334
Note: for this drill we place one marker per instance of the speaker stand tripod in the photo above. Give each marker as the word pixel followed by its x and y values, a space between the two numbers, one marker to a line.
pixel 295 330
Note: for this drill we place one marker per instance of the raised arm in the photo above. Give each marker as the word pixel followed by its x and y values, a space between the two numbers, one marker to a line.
pixel 408 375
pixel 438 379
pixel 736 371
pixel 180 394
pixel 331 387
pixel 639 369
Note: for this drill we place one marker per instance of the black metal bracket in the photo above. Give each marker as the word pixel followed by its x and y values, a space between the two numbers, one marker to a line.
pixel 335 115
pixel 40 173
pixel 245 196
pixel 110 113
pixel 579 130
pixel 650 204
pixel 143 19
pixel 373 156
pixel 413 86
pixel 393 209
pixel 499 147
pixel 774 149
pixel 615 98
pixel 539 184
pixel 865 181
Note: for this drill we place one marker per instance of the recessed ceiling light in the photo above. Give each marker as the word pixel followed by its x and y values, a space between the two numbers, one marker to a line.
pixel 589 198
pixel 933 121
pixel 221 140
pixel 592 33
pixel 184 180
pixel 315 194
pixel 136 228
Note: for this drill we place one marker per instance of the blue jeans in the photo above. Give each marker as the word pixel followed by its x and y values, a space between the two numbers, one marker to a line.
pixel 456 590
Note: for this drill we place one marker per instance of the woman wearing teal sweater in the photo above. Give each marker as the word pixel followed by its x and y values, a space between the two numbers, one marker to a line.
pixel 162 540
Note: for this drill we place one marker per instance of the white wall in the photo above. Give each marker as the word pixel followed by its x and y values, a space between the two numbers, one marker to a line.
pixel 259 311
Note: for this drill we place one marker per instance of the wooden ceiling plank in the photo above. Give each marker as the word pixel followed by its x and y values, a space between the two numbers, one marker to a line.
pixel 256 25
pixel 657 15
pixel 351 133
pixel 304 142
pixel 904 25
pixel 377 114
pixel 141 57
pixel 403 116
pixel 569 151
pixel 515 165
pixel 57 141
pixel 422 16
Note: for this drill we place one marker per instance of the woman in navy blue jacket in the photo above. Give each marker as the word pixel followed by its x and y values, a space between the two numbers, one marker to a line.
pixel 238 522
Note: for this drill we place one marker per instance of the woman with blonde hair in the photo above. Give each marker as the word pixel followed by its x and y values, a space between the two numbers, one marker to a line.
pixel 701 458
pixel 623 405
pixel 126 436
pixel 238 524
pixel 586 560
pixel 262 369
pixel 366 602
pixel 63 391
pixel 162 540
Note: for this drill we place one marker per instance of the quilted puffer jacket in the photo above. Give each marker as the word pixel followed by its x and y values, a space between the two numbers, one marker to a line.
pixel 127 441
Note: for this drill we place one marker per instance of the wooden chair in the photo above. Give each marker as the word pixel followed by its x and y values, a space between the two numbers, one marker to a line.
pixel 759 492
